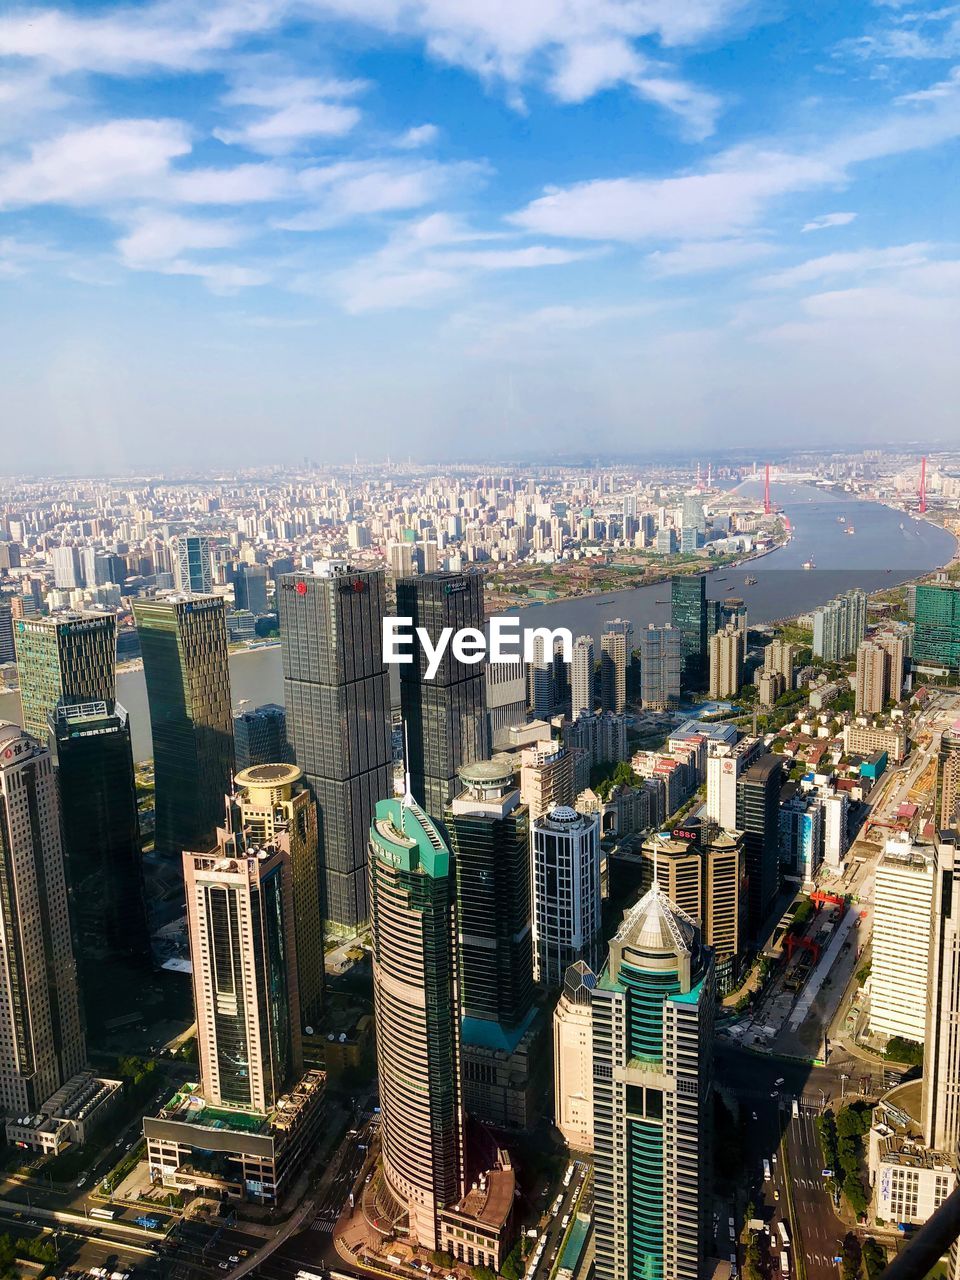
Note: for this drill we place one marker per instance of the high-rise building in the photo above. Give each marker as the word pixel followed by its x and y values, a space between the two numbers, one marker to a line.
pixel 546 777
pixel 445 718
pixel 727 652
pixel 873 670
pixel 8 652
pixel 41 1038
pixel 192 565
pixel 770 687
pixel 573 1057
pixel 276 810
pixel 250 588
pixel 338 718
pixel 725 763
pixel 897 644
pixel 948 777
pixel 101 830
pixel 567 908
pixel 801 836
pixel 70 656
pixel 941 1057
pixel 688 614
pixel 581 676
pixel 506 699
pixel 416 1005
pixel 839 626
pixel 936 634
pixel 616 652
pixel 661 661
pixel 779 657
pixel 240 918
pixel 900 941
pixel 260 736
pixel 652 1030
pixel 758 817
pixel 67 573
pixel 183 640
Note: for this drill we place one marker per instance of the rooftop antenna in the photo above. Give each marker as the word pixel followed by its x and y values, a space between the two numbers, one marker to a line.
pixel 408 800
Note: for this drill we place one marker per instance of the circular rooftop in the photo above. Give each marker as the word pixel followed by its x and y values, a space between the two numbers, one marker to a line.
pixel 268 775
pixel 489 773
pixel 562 813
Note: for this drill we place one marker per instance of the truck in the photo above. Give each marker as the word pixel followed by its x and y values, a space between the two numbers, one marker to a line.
pixel 766 1170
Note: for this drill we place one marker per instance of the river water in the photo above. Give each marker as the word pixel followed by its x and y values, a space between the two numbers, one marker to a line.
pixel 886 548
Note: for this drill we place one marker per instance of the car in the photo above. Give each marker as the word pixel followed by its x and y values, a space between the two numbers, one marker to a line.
pixel 753 1115
pixel 779 1081
pixel 224 1266
pixel 82 1182
pixel 244 1253
pixel 775 1093
pixel 234 1257
pixel 774 1157
pixel 776 1194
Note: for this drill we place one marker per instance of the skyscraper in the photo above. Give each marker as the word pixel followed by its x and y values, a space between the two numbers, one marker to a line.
pixel 240 916
pixel 67 573
pixel 567 907
pixel 581 676
pixel 900 941
pixel 546 777
pixel 758 817
pixel 688 614
pixel 779 657
pixel 101 830
pixel 725 763
pixel 616 651
pixel 839 626
pixel 941 1058
pixel 948 777
pixel 250 588
pixel 936 634
pixel 183 640
pixel 338 718
pixel 727 650
pixel 573 1057
pixel 192 566
pixel 8 652
pixel 416 1005
pixel 873 684
pixel 661 660
pixel 41 1039
pixel 70 656
pixel 445 718
pixel 260 736
pixel 276 810
pixel 652 1028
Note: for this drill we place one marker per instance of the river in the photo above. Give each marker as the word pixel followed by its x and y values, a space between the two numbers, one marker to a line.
pixel 887 548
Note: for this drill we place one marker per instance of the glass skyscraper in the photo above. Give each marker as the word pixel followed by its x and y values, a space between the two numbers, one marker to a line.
pixel 338 718
pixel 758 817
pixel 445 718
pixel 688 614
pixel 936 637
pixel 71 656
pixel 183 640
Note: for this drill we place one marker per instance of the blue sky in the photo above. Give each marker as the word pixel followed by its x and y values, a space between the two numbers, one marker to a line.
pixel 258 230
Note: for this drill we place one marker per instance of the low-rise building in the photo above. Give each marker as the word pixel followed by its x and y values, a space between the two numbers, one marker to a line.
pixel 863 738
pixel 480 1229
pixel 68 1116
pixel 909 1180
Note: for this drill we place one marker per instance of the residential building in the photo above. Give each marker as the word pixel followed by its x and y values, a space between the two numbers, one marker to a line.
pixel 616 654
pixel 602 735
pixel 573 1057
pixel 183 640
pixel 839 626
pixel 779 657
pixel 260 736
pixel 900 941
pixel 70 656
pixel 770 686
pixel 948 777
pixel 801 836
pixel 546 777
pixel 873 678
pixel 581 677
pixel 862 739
pixel 688 614
pixel 836 834
pixel 67 571
pixel 567 907
pixel 727 652
pixel 338 718
pixel 661 662
pixel 758 817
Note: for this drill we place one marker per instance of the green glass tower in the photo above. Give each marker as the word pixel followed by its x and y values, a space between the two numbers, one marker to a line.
pixel 416 1006
pixel 689 613
pixel 71 656
pixel 184 644
pixel 652 1028
pixel 936 637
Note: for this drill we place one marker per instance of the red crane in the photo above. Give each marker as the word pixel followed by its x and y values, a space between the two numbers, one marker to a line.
pixel 767 508
pixel 922 491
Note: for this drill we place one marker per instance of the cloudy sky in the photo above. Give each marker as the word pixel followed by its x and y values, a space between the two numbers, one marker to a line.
pixel 241 231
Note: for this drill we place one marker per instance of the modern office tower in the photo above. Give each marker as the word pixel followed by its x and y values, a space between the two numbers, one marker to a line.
pixel 936 633
pixel 416 1006
pixel 101 836
pixel 948 777
pixel 581 676
pixel 573 1057
pixel 183 640
pixel 779 657
pixel 546 777
pixel 758 817
pixel 616 651
pixel 770 687
pixel 688 615
pixel 701 868
pixel 506 699
pixel 541 681
pixel 67 573
pixel 836 834
pixel 192 566
pixel 873 671
pixel 250 588
pixel 41 1039
pixel 902 915
pixel 70 656
pixel 661 661
pixel 692 516
pixel 801 836
pixel 941 1056
pixel 445 718
pixel 338 718
pixel 276 810
pixel 652 1030
pixel 838 627
pixel 260 736
pixel 240 918
pixel 565 846
pixel 8 652
pixel 727 652
pixel 725 763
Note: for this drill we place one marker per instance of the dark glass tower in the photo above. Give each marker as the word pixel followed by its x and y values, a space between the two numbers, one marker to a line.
pixel 71 656
pixel 758 817
pixel 446 717
pixel 98 804
pixel 184 644
pixel 338 718
pixel 936 640
pixel 689 613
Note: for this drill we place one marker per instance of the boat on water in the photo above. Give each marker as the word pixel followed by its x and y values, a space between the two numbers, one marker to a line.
pixel 850 529
pixel 750 582
pixel 808 564
pixel 661 602
pixel 841 519
pixel 723 579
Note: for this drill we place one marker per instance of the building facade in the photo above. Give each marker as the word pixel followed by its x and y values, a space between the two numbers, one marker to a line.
pixel 936 628
pixel 260 736
pixel 758 817
pixel 70 656
pixel 688 615
pixel 941 1057
pixel 573 1057
pixel 902 914
pixel 661 664
pixel 565 848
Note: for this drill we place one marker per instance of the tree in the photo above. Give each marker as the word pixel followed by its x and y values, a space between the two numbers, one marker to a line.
pixel 899 1049
pixel 512 1268
pixel 851 1255
pixel 874 1257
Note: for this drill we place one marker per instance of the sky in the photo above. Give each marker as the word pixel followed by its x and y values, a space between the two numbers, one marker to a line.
pixel 245 232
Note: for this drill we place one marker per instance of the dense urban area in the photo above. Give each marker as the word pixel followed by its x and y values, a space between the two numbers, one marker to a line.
pixel 634 958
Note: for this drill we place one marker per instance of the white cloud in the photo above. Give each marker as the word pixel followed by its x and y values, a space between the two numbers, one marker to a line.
pixel 361 188
pixel 421 135
pixel 242 184
pixel 826 220
pixel 707 255
pixel 219 277
pixel 157 238
pixel 854 263
pixel 292 111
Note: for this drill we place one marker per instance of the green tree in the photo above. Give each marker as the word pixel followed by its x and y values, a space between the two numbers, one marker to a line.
pixel 900 1049
pixel 874 1257
pixel 512 1268
pixel 851 1254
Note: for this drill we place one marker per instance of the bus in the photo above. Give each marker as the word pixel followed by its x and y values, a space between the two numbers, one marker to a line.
pixel 784 1233
pixel 766 1170
pixel 308 1275
pixel 796 1110
pixel 106 1215
pixel 784 1264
